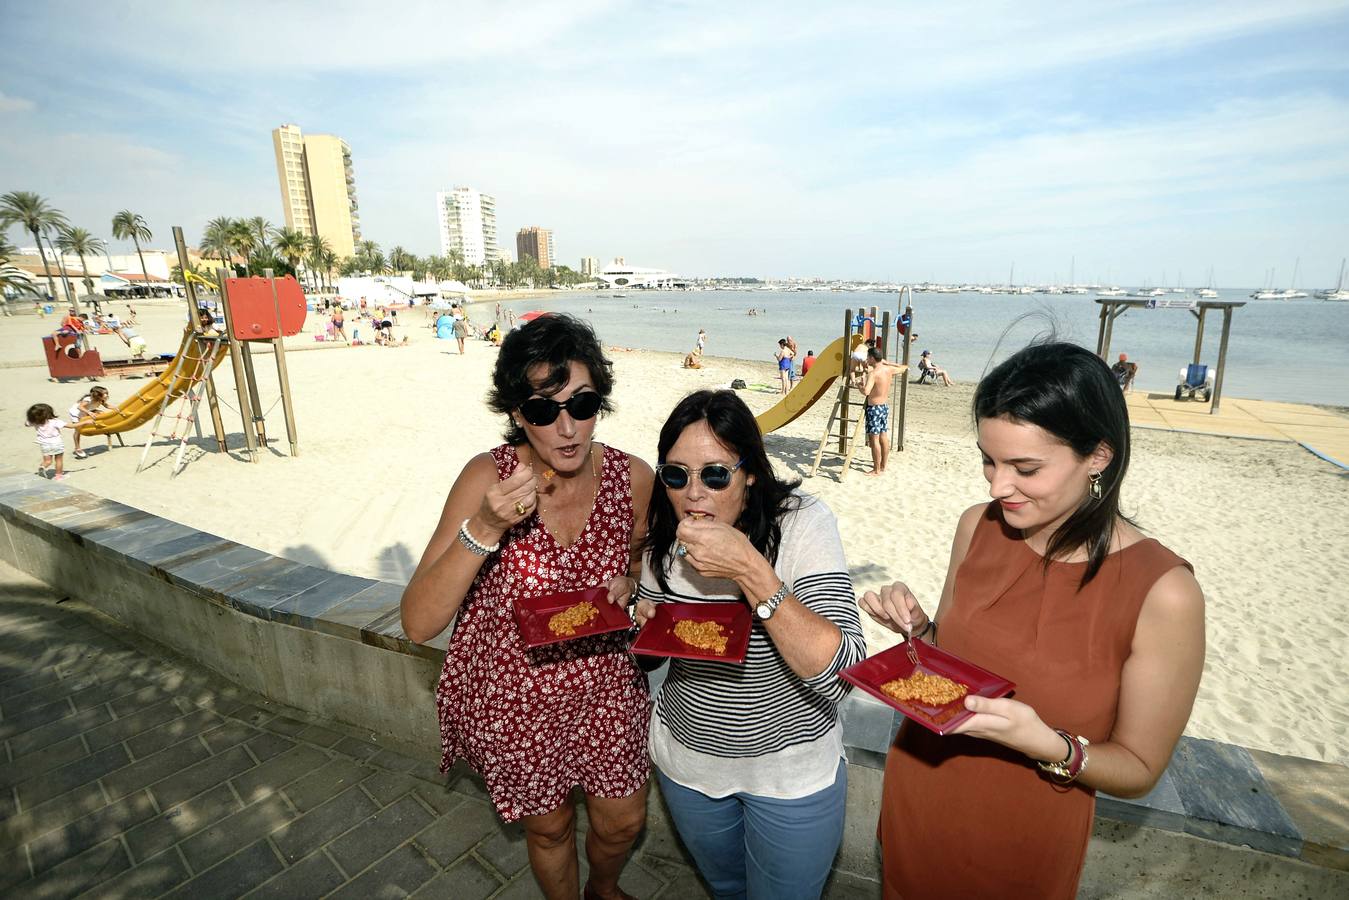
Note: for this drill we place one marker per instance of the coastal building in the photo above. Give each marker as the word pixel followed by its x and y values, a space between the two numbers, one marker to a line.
pixel 589 265
pixel 468 225
pixel 619 275
pixel 537 243
pixel 318 187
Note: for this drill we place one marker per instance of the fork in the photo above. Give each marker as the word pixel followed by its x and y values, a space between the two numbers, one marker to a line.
pixel 909 649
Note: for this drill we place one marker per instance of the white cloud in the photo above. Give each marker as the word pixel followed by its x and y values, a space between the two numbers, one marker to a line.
pixel 10 104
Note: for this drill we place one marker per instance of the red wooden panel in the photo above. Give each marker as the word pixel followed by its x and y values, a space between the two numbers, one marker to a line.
pixel 253 312
pixel 65 360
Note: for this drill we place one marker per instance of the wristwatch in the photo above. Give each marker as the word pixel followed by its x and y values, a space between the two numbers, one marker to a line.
pixel 765 608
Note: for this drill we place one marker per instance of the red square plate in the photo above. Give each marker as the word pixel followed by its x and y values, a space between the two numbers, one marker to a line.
pixel 894 663
pixel 657 637
pixel 532 616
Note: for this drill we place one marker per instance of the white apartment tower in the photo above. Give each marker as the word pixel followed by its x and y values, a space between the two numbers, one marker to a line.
pixel 468 224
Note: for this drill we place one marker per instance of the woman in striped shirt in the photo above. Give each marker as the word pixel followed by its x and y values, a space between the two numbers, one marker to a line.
pixel 750 757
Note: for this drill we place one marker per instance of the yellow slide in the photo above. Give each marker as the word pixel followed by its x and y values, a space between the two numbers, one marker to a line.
pixel 145 404
pixel 812 386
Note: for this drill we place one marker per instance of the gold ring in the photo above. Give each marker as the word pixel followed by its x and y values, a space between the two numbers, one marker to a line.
pixel 519 508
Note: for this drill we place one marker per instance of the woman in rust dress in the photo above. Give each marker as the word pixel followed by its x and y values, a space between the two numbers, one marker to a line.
pixel 1050 586
pixel 550 510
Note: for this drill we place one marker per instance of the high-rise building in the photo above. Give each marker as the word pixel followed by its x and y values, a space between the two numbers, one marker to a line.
pixel 589 265
pixel 536 242
pixel 468 225
pixel 318 187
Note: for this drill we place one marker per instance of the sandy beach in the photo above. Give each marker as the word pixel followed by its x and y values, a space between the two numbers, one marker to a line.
pixel 384 431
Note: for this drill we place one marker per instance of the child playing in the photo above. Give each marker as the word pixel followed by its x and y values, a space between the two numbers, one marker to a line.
pixel 83 412
pixel 44 419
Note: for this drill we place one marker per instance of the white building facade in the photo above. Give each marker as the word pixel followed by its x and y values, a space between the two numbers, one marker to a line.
pixel 468 224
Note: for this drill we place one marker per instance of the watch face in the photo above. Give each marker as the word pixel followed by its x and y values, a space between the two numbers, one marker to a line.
pixel 763 611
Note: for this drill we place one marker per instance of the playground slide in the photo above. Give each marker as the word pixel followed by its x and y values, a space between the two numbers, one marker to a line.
pixel 812 386
pixel 145 404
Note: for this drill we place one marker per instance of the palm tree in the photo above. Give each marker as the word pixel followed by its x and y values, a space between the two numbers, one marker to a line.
pixel 366 248
pixel 292 244
pixel 127 225
pixel 32 212
pixel 400 260
pixel 262 230
pixel 244 242
pixel 217 239
pixel 12 278
pixel 318 246
pixel 328 263
pixel 80 242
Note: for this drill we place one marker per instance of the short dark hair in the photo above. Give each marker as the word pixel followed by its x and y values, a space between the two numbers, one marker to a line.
pixel 765 501
pixel 874 354
pixel 556 340
pixel 1069 392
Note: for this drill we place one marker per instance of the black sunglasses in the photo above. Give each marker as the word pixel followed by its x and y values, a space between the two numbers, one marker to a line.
pixel 540 411
pixel 716 476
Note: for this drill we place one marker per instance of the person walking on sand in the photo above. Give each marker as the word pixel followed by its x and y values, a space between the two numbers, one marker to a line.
pixel 83 413
pixel 875 386
pixel 784 358
pixel 1049 585
pixel 339 324
pixel 702 341
pixel 460 332
pixel 43 419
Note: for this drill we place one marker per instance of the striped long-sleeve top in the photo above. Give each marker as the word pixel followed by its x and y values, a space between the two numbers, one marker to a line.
pixel 759 727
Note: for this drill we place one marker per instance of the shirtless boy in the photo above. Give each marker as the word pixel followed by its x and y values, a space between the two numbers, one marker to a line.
pixel 876 387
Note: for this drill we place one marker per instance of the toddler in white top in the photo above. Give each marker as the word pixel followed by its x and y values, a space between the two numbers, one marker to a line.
pixel 48 426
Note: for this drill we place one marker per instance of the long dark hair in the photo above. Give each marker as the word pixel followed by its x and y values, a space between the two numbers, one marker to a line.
pixel 557 341
pixel 766 500
pixel 1069 392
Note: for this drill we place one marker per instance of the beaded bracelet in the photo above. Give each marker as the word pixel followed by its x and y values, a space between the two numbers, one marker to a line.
pixel 475 546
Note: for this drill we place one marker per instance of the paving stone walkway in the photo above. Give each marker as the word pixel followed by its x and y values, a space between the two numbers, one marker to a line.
pixel 128 772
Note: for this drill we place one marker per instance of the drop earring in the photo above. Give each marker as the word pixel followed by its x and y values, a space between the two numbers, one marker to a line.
pixel 1095 487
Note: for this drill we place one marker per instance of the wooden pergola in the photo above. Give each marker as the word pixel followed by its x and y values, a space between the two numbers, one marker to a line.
pixel 1112 309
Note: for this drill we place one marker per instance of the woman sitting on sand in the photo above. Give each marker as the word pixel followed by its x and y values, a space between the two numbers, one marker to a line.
pixel 1050 586
pixel 750 758
pixel 551 510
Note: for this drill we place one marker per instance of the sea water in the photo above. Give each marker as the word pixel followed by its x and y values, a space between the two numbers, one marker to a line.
pixel 1293 350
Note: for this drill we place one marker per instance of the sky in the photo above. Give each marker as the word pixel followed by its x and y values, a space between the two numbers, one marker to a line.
pixel 1124 143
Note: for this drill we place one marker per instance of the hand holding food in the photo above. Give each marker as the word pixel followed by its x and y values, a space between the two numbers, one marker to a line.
pixel 1012 724
pixel 896 608
pixel 714 549
pixel 622 590
pixel 510 500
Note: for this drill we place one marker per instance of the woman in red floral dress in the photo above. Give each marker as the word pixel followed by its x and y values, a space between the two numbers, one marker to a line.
pixel 550 510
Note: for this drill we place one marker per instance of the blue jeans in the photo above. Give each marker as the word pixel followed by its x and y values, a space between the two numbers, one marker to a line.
pixel 761 848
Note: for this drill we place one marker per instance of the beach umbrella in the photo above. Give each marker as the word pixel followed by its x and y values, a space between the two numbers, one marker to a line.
pixel 532 315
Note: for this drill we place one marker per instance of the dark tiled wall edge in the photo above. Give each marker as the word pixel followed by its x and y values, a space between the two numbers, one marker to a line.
pixel 1219 791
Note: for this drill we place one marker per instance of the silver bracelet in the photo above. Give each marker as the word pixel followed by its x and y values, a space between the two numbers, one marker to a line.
pixel 475 546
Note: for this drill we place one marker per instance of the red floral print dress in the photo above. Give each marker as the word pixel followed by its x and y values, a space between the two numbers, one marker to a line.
pixel 535 723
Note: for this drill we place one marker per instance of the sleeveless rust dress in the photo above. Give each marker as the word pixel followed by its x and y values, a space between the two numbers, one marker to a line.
pixel 964 817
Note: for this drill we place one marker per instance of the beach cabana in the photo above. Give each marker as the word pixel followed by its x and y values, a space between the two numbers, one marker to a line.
pixel 1112 308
